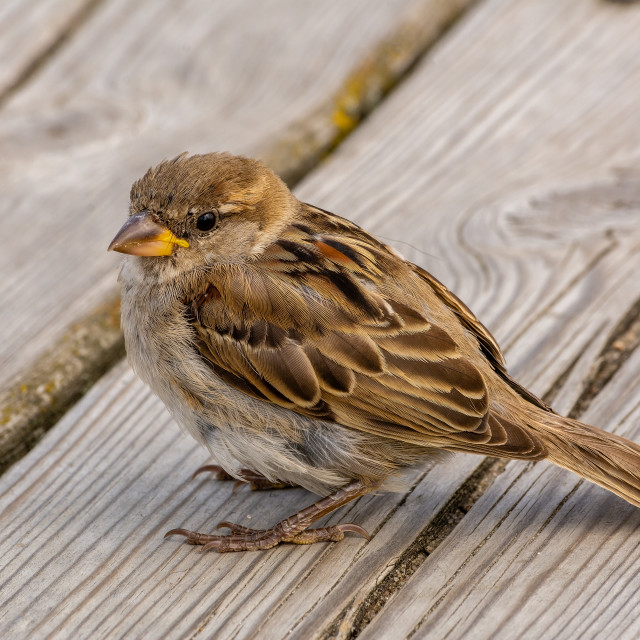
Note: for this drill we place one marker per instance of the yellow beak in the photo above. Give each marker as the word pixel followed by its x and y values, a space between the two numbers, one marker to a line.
pixel 141 236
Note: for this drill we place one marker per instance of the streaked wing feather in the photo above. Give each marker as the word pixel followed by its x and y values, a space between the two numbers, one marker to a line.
pixel 308 329
pixel 487 342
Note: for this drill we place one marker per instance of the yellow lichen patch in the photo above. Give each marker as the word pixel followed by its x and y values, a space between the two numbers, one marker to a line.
pixel 348 104
pixel 343 121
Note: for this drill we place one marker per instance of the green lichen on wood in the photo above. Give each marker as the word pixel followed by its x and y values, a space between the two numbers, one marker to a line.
pixel 32 404
pixel 309 141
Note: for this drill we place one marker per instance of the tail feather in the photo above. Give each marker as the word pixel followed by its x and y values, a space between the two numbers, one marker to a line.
pixel 608 460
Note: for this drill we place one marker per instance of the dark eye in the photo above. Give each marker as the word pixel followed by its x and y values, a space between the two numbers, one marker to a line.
pixel 206 221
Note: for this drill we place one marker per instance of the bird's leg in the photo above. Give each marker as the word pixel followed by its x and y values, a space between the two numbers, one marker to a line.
pixel 255 480
pixel 293 529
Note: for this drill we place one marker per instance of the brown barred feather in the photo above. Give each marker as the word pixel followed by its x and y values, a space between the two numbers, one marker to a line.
pixel 394 365
pixel 358 352
pixel 332 377
pixel 350 362
pixel 289 370
pixel 313 326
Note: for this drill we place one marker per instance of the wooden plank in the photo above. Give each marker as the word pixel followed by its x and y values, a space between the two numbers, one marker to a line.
pixel 455 163
pixel 137 83
pixel 82 553
pixel 541 555
pixel 29 31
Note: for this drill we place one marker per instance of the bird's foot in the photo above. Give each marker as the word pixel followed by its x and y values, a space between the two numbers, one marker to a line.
pixel 294 529
pixel 256 481
pixel 246 539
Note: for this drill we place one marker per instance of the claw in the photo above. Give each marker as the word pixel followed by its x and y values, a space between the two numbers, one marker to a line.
pixel 220 473
pixel 256 481
pixel 354 528
pixel 193 537
pixel 207 541
pixel 178 532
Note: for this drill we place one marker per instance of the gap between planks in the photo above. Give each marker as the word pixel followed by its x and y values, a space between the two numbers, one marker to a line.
pixel 571 361
pixel 620 345
pixel 39 396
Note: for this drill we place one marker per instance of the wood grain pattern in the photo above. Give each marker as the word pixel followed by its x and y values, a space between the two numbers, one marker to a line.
pixel 497 164
pixel 135 84
pixel 82 546
pixel 28 30
pixel 556 274
pixel 542 554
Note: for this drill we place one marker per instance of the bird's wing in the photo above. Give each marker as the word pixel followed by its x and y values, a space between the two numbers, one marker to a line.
pixel 487 343
pixel 308 327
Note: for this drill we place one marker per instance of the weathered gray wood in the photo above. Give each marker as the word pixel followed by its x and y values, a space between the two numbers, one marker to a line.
pixel 82 552
pixel 541 555
pixel 496 161
pixel 28 30
pixel 139 82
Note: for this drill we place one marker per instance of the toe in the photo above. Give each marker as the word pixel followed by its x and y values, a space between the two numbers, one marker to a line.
pixel 235 528
pixel 192 537
pixel 179 532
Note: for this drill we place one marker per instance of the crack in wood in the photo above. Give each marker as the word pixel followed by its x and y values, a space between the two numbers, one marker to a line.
pixel 413 557
pixel 41 395
pixel 478 547
pixel 621 343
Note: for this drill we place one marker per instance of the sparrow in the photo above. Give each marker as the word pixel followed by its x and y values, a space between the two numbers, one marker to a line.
pixel 300 350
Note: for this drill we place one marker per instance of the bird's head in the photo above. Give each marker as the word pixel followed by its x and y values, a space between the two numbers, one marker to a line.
pixel 195 211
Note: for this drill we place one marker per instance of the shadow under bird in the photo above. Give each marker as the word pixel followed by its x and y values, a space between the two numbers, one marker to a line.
pixel 300 350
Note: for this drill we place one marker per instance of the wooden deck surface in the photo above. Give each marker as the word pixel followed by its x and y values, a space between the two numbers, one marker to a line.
pixel 137 83
pixel 507 164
